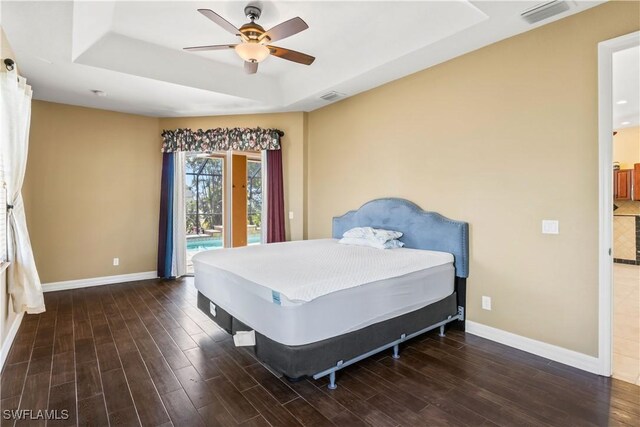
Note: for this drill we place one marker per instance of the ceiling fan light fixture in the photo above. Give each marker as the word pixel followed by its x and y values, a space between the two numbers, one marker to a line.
pixel 254 47
pixel 252 52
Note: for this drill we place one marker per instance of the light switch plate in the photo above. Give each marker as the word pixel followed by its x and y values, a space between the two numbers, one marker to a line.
pixel 550 226
pixel 116 261
pixel 290 214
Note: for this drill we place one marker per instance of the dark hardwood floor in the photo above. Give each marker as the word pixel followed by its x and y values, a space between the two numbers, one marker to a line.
pixel 142 353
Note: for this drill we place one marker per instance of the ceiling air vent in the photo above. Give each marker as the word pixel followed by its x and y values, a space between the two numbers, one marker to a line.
pixel 544 10
pixel 332 96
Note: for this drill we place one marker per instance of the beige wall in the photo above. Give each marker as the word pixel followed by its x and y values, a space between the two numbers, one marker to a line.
pixel 7 316
pixel 293 154
pixel 92 191
pixel 626 147
pixel 503 138
pixel 92 187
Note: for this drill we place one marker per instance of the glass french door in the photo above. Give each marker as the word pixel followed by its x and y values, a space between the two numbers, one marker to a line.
pixel 223 205
pixel 204 203
pixel 254 200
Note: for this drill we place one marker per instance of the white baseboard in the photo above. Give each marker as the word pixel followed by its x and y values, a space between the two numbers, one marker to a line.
pixel 11 335
pixel 539 348
pixel 98 281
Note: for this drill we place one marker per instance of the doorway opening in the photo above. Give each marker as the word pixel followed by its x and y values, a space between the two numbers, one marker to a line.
pixel 626 215
pixel 619 248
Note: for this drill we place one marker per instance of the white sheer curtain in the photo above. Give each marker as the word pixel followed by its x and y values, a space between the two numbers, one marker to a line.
pixel 179 255
pixel 15 115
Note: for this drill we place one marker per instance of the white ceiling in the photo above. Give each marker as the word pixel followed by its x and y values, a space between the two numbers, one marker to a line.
pixel 626 87
pixel 132 50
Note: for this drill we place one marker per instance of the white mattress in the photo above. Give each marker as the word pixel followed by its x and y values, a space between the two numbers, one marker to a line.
pixel 307 269
pixel 348 308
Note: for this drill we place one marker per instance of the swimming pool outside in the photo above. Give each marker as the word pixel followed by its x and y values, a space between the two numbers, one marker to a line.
pixel 197 245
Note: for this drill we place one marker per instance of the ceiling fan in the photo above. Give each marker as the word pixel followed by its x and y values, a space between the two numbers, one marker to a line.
pixel 254 46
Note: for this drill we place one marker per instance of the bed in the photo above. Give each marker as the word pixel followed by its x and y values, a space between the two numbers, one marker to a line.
pixel 318 306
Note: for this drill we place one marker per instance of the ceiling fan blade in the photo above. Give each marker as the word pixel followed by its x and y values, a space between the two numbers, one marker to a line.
pixel 212 47
pixel 220 21
pixel 285 29
pixel 250 67
pixel 291 55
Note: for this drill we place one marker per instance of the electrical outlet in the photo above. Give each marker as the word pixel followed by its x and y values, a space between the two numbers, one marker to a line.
pixel 116 261
pixel 290 214
pixel 486 303
pixel 550 226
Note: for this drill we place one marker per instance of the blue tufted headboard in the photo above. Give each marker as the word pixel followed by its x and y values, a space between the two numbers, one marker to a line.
pixel 422 229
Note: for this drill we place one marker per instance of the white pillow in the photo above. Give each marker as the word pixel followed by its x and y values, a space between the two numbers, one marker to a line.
pixel 373 234
pixel 393 243
pixel 358 241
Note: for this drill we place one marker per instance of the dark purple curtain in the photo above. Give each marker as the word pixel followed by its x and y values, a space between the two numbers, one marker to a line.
pixel 275 197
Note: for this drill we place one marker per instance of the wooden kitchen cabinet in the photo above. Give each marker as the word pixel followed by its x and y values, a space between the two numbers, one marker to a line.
pixel 622 184
pixel 636 181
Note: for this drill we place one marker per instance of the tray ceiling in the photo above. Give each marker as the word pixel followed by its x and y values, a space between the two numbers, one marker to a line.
pixel 132 50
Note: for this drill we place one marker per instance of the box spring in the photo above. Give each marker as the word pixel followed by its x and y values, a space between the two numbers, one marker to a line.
pixel 309 359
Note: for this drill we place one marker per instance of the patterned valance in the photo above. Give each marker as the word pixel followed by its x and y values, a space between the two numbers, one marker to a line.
pixel 221 139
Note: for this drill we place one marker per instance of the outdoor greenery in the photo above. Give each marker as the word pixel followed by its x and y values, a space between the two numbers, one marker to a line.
pixel 204 193
pixel 254 193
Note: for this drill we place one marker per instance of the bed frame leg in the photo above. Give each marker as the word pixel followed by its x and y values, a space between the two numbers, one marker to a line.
pixel 442 331
pixel 395 351
pixel 332 381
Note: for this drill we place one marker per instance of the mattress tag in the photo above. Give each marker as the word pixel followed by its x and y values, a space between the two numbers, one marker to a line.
pixel 244 338
pixel 212 309
pixel 276 297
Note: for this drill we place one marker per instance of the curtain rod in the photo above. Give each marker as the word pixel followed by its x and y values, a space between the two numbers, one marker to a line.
pixel 10 64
